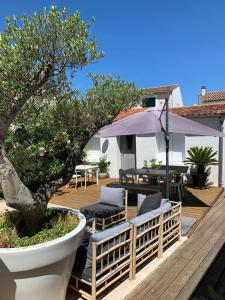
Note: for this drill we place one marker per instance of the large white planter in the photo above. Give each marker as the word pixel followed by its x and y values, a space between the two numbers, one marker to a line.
pixel 40 272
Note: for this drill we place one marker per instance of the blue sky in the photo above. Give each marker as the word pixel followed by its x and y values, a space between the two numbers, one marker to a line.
pixel 150 42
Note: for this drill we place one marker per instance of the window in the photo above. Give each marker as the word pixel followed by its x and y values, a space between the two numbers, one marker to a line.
pixel 148 102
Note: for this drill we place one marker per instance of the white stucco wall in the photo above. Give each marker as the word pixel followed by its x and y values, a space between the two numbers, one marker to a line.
pixel 146 148
pixel 210 141
pixel 176 97
pixel 94 149
pixel 110 148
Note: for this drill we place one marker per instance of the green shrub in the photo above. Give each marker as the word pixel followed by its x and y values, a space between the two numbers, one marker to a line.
pixel 103 164
pixel 55 224
pixel 153 164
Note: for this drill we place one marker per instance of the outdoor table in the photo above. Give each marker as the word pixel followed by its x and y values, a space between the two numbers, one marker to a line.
pixel 85 169
pixel 145 171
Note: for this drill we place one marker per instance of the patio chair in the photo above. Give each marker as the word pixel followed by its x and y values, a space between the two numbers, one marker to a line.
pixel 125 177
pixel 154 230
pixel 74 179
pixel 103 259
pixel 177 187
pixel 110 210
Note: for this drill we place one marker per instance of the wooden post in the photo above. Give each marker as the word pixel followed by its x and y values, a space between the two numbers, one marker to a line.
pixel 131 252
pixel 160 249
pixel 126 203
pixel 93 285
pixel 179 237
pixel 134 251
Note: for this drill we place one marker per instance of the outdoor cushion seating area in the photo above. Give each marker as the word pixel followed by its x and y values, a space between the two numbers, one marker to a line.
pixel 118 252
pixel 110 210
pixel 106 258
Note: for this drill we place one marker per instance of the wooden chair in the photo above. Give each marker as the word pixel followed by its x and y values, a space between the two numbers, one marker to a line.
pixel 154 233
pixel 110 257
pixel 115 214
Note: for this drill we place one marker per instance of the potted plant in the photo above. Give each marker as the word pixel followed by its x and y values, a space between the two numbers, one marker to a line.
pixel 200 158
pixel 103 166
pixel 44 128
pixel 153 164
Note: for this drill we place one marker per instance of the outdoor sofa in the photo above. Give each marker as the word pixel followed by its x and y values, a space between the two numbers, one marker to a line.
pixel 110 210
pixel 106 257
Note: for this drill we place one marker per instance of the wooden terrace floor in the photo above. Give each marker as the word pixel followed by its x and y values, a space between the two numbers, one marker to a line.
pixel 196 203
pixel 178 277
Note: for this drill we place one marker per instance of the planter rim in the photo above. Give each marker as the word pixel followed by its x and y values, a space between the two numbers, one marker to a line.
pixel 56 241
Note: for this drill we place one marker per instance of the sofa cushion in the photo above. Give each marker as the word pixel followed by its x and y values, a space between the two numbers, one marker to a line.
pixel 150 202
pixel 83 261
pixel 140 200
pixel 112 196
pixel 82 267
pixel 164 201
pixel 100 210
pixel 162 209
pixel 142 218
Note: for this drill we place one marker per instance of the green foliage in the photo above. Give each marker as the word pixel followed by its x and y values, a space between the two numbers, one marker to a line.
pixel 38 52
pixel 55 225
pixel 37 149
pixel 202 156
pixel 103 164
pixel 47 130
pixel 153 164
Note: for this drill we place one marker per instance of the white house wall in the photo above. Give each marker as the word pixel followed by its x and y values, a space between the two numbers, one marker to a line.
pixel 176 97
pixel 146 149
pixel 94 149
pixel 110 148
pixel 210 141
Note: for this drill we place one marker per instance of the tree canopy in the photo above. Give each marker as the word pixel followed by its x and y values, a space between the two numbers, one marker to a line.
pixel 44 123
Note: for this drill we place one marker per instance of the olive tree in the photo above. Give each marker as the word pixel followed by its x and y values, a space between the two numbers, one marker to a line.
pixel 38 56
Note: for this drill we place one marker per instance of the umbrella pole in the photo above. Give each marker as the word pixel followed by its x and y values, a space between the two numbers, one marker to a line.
pixel 167 148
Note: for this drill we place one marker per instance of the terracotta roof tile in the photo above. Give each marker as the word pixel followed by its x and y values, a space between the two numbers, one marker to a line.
pixel 128 113
pixel 160 89
pixel 217 109
pixel 213 96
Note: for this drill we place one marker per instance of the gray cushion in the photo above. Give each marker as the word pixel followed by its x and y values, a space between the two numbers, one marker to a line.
pixel 164 201
pixel 100 210
pixel 101 235
pixel 140 198
pixel 163 208
pixel 151 202
pixel 112 196
pixel 81 267
pixel 142 218
pixel 83 261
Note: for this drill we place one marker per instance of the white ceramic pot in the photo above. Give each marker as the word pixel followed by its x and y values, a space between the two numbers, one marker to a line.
pixel 102 175
pixel 40 272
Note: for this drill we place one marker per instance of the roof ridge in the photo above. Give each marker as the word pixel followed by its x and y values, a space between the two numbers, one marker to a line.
pixel 161 86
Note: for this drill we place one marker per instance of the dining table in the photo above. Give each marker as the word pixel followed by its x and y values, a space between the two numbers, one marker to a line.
pixel 148 172
pixel 85 169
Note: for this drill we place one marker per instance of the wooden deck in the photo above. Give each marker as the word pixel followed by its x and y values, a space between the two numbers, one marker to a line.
pixel 196 203
pixel 181 273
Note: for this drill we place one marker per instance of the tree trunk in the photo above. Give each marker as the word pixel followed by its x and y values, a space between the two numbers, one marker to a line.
pixel 33 206
pixel 18 196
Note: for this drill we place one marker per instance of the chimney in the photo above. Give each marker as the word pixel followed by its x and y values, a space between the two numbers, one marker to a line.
pixel 203 90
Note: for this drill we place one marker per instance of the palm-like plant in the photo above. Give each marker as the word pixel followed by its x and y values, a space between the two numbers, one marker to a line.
pixel 202 157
